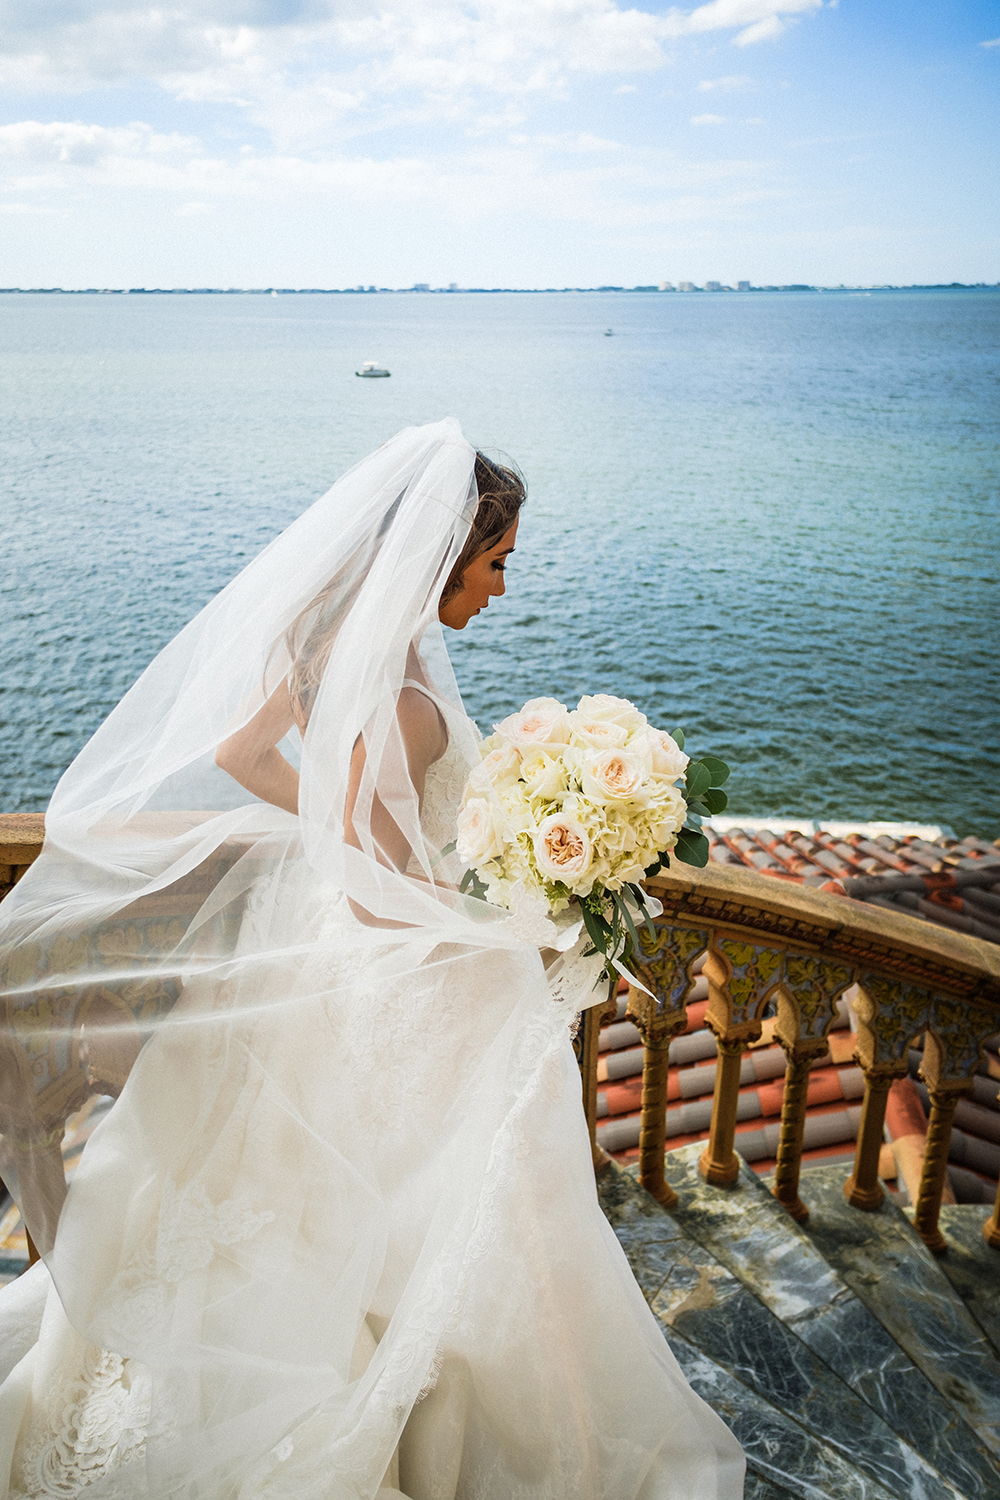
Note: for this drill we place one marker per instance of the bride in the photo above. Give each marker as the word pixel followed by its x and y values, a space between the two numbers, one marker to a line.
pixel 338 1235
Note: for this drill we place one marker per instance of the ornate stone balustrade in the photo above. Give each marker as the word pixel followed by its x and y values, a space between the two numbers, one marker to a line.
pixel 800 948
pixel 768 941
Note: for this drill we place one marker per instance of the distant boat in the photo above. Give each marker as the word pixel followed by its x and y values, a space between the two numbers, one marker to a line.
pixel 609 333
pixel 273 293
pixel 371 371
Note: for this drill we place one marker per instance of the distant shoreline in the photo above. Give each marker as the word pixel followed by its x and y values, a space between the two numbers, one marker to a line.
pixel 358 291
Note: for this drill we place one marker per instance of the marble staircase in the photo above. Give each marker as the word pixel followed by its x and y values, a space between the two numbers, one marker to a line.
pixel 849 1361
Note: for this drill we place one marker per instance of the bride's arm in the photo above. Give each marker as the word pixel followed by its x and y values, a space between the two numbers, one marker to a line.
pixel 252 758
pixel 425 740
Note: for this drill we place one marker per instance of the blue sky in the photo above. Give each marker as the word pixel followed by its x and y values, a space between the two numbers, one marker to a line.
pixel 514 143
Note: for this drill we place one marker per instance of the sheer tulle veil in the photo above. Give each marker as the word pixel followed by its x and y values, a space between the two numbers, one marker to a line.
pixel 153 856
pixel 337 1238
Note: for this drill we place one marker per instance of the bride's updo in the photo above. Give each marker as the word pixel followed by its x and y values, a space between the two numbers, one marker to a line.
pixel 309 639
pixel 501 495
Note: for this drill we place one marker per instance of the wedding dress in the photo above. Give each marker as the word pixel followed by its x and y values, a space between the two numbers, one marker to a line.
pixel 339 1236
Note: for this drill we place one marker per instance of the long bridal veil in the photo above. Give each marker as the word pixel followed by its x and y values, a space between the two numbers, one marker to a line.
pixel 152 853
pixel 285 1240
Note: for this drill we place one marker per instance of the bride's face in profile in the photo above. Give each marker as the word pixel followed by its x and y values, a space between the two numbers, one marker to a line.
pixel 482 581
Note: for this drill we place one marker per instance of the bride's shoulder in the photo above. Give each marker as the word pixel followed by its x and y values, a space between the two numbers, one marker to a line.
pixel 422 724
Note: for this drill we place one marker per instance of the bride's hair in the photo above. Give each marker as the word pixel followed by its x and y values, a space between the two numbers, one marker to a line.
pixel 310 636
pixel 501 495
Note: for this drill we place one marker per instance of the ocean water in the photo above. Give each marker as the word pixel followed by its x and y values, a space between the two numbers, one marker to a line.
pixel 769 518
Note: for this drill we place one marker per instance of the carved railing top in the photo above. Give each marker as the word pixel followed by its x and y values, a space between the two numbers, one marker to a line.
pixel 796 916
pixel 21 837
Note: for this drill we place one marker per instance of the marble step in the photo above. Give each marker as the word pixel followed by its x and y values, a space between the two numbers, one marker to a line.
pixel 888 1266
pixel 788 1458
pixel 756 1487
pixel 749 1232
pixel 699 1300
pixel 972 1266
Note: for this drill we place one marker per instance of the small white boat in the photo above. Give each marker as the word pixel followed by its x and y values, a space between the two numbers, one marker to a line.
pixel 609 333
pixel 371 371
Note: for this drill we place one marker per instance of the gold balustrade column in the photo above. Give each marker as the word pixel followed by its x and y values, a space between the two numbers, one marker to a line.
pixel 653 1126
pixel 862 1188
pixel 663 962
pixel 792 1133
pixel 932 1178
pixel 807 1000
pixel 719 1163
pixel 742 976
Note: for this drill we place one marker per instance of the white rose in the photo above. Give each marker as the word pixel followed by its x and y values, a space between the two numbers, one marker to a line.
pixel 613 776
pixel 544 705
pixel 480 836
pixel 668 758
pixel 563 850
pixel 601 706
pixel 498 768
pixel 541 722
pixel 542 775
pixel 599 734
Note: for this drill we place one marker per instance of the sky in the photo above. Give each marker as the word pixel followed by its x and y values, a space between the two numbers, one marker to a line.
pixel 523 143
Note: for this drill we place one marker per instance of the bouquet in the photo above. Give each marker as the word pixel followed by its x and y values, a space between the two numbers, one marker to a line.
pixel 573 808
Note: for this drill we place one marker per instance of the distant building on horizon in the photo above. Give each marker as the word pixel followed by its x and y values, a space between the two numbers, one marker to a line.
pixel 713 286
pixel 743 286
pixel 686 286
pixel 665 286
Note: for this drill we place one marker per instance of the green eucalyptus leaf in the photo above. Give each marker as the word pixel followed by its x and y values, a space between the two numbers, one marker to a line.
pixel 715 800
pixel 697 780
pixel 644 916
pixel 627 918
pixel 717 769
pixel 449 848
pixel 692 848
pixel 472 883
pixel 596 929
pixel 678 738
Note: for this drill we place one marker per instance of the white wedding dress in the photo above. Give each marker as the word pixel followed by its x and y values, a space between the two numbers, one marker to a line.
pixel 339 1238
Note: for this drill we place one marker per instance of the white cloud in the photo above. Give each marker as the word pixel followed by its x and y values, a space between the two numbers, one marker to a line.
pixel 729 85
pixel 76 144
pixel 300 65
pixel 994 43
pixel 26 208
pixel 757 20
pixel 565 179
pixel 708 119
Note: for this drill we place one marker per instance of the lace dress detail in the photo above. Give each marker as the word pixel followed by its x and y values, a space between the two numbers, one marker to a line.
pixel 91 1426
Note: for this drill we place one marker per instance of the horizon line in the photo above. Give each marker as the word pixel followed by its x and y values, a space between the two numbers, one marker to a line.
pixel 681 289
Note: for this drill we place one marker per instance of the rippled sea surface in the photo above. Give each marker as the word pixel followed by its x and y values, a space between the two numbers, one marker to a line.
pixel 770 518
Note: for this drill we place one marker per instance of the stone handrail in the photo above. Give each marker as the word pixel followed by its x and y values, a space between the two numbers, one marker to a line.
pixel 769 940
pixel 772 941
